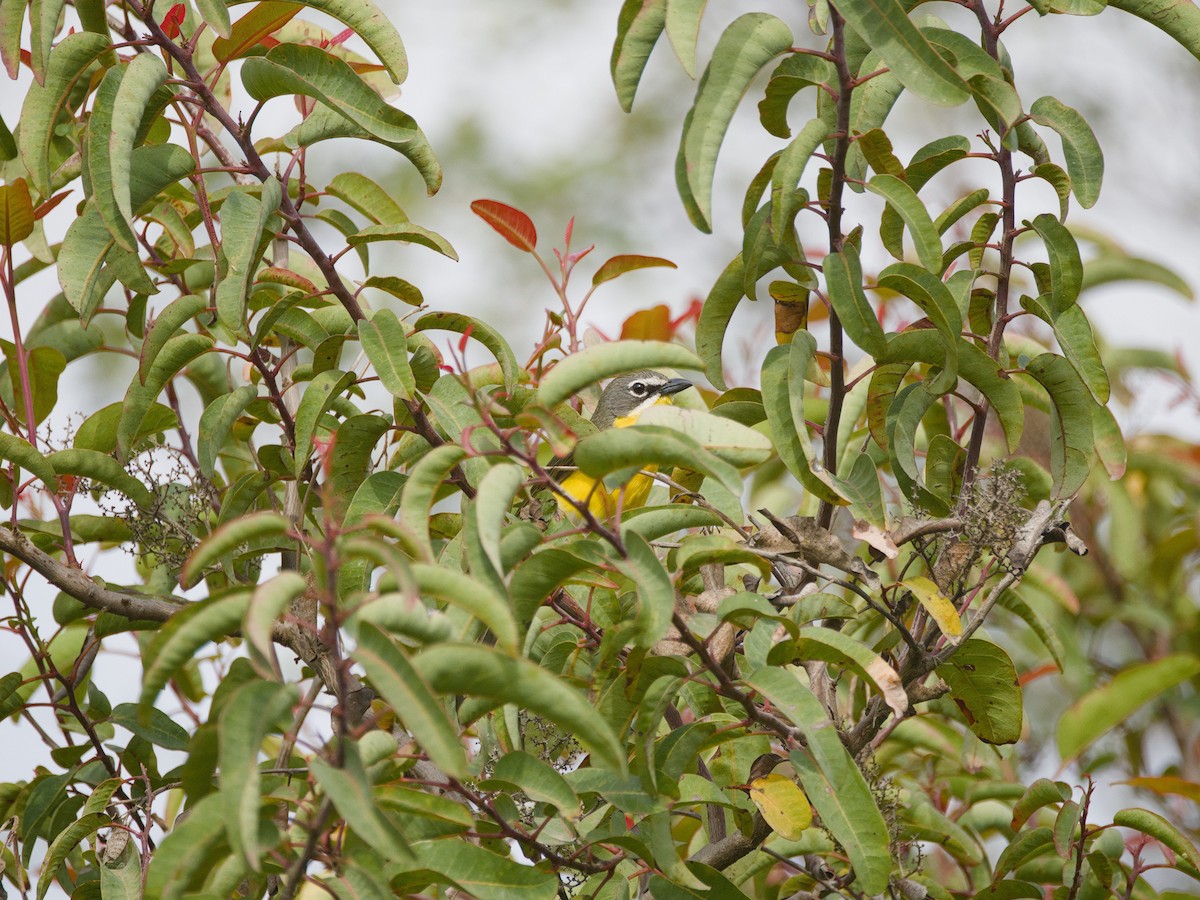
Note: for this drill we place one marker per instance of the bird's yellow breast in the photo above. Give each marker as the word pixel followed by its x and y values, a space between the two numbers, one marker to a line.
pixel 626 421
pixel 601 502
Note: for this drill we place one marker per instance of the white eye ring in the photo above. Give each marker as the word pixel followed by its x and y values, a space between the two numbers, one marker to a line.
pixel 638 389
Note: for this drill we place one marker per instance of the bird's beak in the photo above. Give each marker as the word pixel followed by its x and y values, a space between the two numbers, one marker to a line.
pixel 674 386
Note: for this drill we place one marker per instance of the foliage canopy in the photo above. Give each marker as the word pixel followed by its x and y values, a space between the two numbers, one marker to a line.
pixel 799 670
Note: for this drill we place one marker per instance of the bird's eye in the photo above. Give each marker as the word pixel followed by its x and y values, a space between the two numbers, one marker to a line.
pixel 638 389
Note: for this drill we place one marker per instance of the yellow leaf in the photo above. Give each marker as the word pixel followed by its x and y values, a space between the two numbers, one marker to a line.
pixel 782 804
pixel 940 609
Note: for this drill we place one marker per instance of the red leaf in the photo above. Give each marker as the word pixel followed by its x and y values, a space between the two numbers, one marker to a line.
pixel 263 20
pixel 173 19
pixel 570 231
pixel 514 226
pixel 45 208
pixel 462 341
pixel 653 324
pixel 619 265
pixel 691 314
pixel 16 212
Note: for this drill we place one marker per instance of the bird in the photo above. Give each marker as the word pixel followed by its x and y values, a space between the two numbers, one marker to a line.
pixel 622 401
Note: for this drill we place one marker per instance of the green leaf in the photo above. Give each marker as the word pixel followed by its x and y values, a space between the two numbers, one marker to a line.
pixel 45 102
pixel 216 14
pixel 1161 830
pixel 748 44
pixel 843 278
pixel 783 399
pixel 385 342
pixel 88 243
pixel 406 233
pixel 715 316
pixel 886 28
pixel 183 634
pixel 785 178
pixel 845 652
pixel 393 676
pixel 177 353
pixel 471 595
pixel 870 105
pixel 21 453
pixel 628 262
pixel 290 69
pixel 121 878
pixel 226 539
pixel 1071 440
pixel 539 781
pixel 480 331
pixel 728 440
pixel 1085 161
pixel 478 872
pixel 144 75
pixel 44 366
pixel 1110 444
pixel 1178 18
pixel 908 205
pixel 983 682
pixel 832 781
pixel 256 709
pixel 271 599
pixel 638 27
pixel 591 365
pixel 1026 847
pixel 366 196
pixel 325 124
pixel 655 592
pixel 189 851
pixel 64 843
pixel 166 324
pixel 396 287
pixel 370 23
pixel 794 73
pixel 217 422
pixel 350 790
pixel 12 17
pixel 159 728
pixel 492 504
pixel 923 345
pixel 959 208
pixel 640 447
pixel 1041 793
pixel 683 30
pixel 1075 337
pixel 930 293
pixel 322 392
pixel 1066 269
pixel 1104 708
pixel 100 467
pixel 424 481
pixel 989 85
pixel 903 422
pixel 479 671
pixel 244 220
pixel 1112 267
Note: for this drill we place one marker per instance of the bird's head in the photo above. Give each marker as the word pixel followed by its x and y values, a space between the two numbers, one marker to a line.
pixel 627 396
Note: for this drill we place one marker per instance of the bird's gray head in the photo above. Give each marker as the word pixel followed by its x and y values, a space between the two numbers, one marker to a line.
pixel 627 396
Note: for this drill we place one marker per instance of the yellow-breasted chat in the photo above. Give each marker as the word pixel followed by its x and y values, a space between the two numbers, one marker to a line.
pixel 624 399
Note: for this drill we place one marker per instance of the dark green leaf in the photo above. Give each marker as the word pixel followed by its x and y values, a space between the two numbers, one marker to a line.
pixel 748 44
